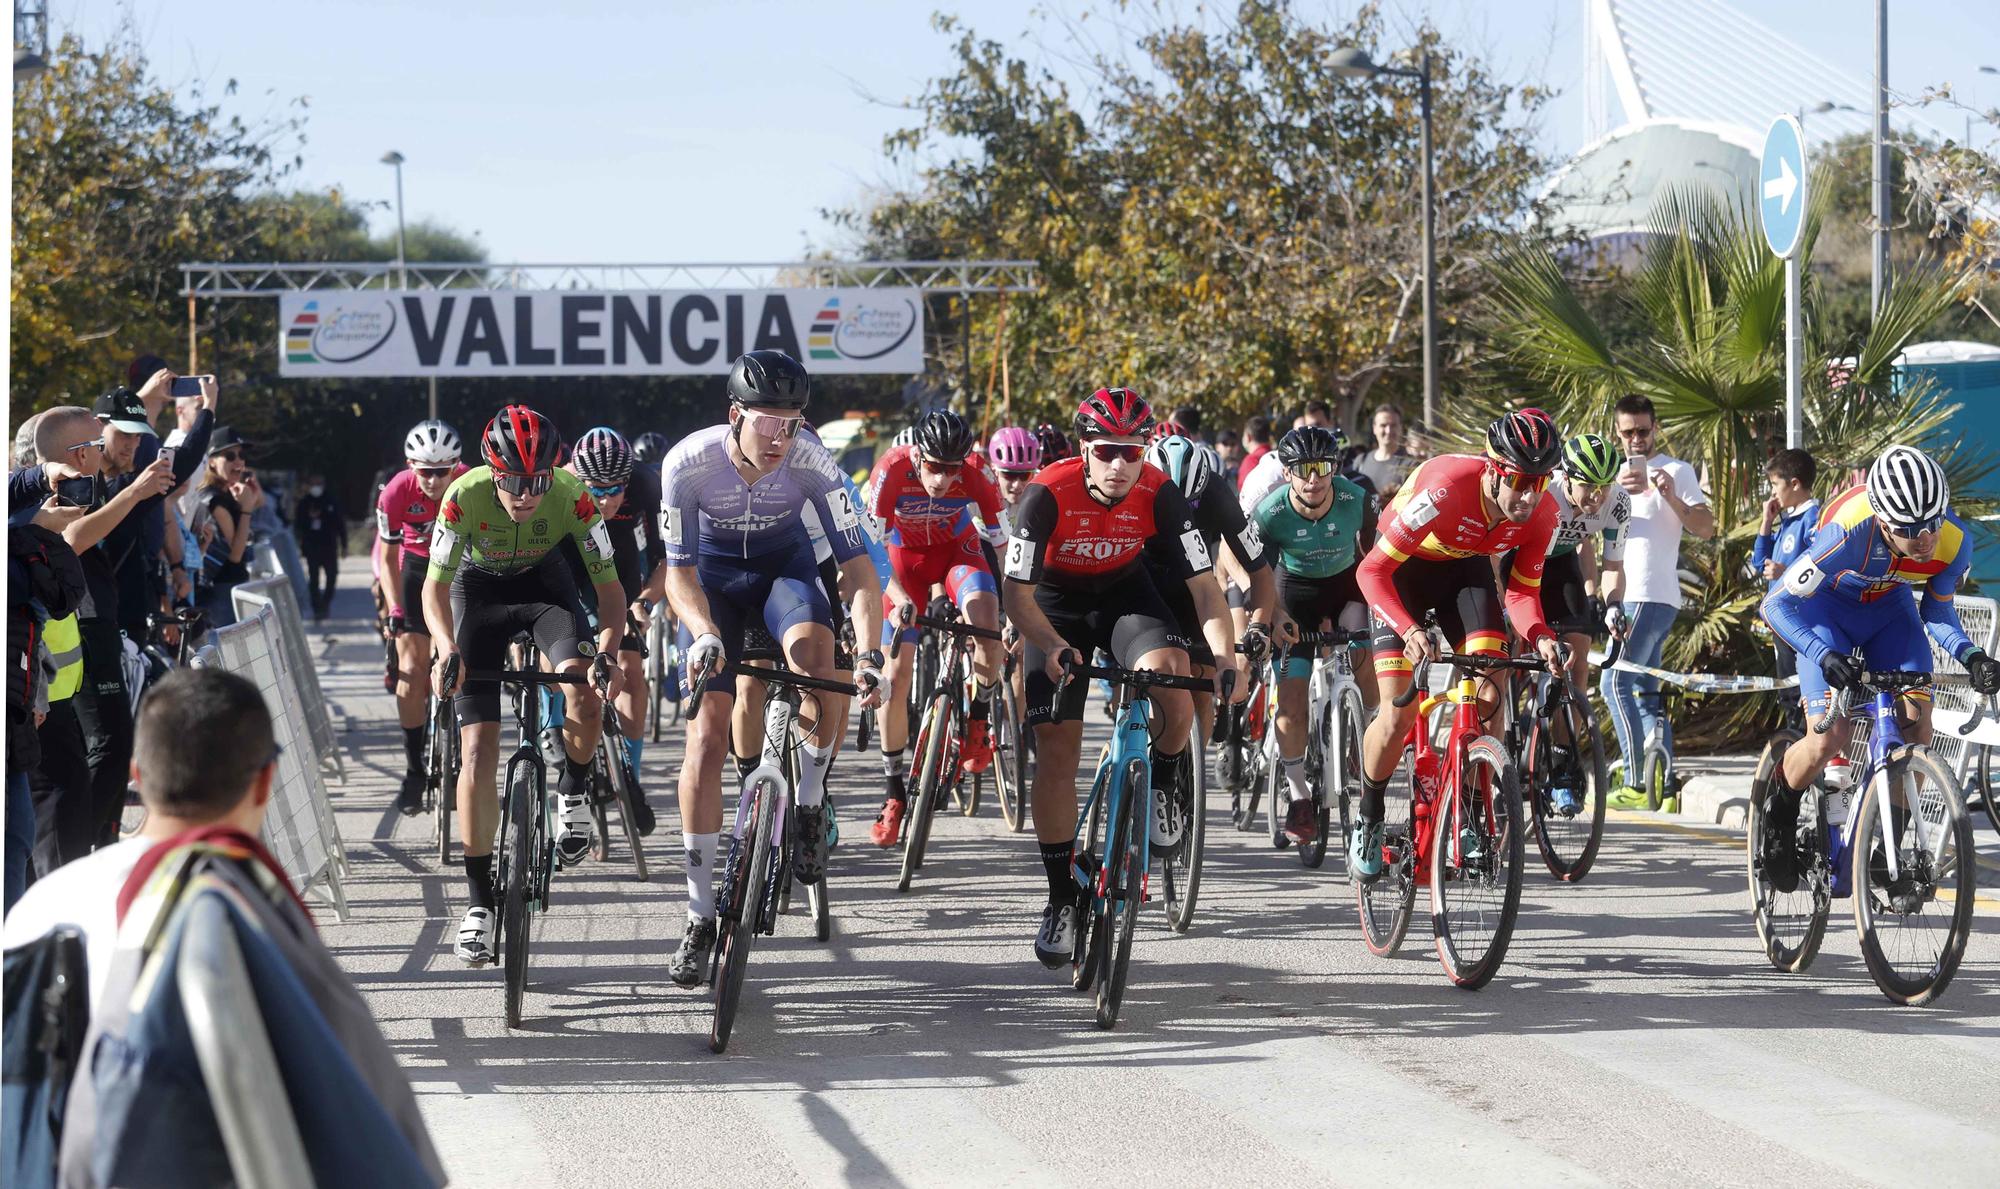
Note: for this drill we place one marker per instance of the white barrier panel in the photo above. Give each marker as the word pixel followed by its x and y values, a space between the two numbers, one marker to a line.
pixel 276 593
pixel 298 826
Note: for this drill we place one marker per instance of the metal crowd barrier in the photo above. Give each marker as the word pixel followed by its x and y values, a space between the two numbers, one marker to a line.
pixel 1952 699
pixel 299 825
pixel 276 593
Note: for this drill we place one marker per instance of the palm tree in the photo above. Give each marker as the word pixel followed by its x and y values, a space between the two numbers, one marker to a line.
pixel 1708 299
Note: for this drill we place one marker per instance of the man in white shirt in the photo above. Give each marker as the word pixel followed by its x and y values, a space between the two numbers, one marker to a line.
pixel 203 755
pixel 1667 499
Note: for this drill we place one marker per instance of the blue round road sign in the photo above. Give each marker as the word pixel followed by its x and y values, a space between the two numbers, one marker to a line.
pixel 1781 188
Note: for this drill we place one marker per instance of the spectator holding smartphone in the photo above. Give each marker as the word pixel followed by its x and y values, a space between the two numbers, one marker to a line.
pixel 138 543
pixel 228 498
pixel 1667 500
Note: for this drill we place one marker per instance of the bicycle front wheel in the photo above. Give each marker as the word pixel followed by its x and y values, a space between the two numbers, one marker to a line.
pixel 1476 866
pixel 1182 874
pixel 625 791
pixel 750 863
pixel 1089 948
pixel 442 771
pixel 1913 923
pixel 1343 776
pixel 1987 795
pixel 1566 754
pixel 1009 771
pixel 1123 890
pixel 930 776
pixel 517 848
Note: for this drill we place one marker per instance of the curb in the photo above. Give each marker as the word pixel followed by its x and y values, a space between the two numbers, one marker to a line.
pixel 1714 800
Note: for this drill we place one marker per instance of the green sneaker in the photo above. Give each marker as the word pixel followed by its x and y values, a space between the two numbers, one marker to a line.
pixel 1670 805
pixel 1628 798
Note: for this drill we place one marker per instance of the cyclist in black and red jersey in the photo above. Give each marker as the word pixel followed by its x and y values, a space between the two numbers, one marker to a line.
pixel 1076 581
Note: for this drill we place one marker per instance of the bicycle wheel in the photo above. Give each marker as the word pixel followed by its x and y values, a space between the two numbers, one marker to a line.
pixel 1568 841
pixel 816 894
pixel 1659 774
pixel 1983 773
pixel 1476 876
pixel 624 790
pixel 1181 875
pixel 1387 901
pixel 1345 772
pixel 1277 794
pixel 930 772
pixel 1313 853
pixel 1089 954
pixel 1123 890
pixel 1229 761
pixel 1007 783
pixel 749 864
pixel 600 795
pixel 441 773
pixel 516 897
pixel 1913 927
pixel 1790 924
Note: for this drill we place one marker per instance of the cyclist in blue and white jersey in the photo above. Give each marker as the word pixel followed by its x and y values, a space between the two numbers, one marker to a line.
pixel 1851 590
pixel 737 549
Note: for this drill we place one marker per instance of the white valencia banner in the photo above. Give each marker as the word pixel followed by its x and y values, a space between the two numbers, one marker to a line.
pixel 475 332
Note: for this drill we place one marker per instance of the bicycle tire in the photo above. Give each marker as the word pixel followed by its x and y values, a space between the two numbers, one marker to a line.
pixel 863 724
pixel 624 789
pixel 441 767
pixel 1567 856
pixel 817 904
pixel 1229 761
pixel 1387 902
pixel 745 908
pixel 1181 877
pixel 930 761
pixel 1790 939
pixel 1313 854
pixel 1007 732
pixel 1658 768
pixel 1987 799
pixel 1923 878
pixel 517 903
pixel 600 795
pixel 1276 793
pixel 1083 974
pixel 1127 883
pixel 1346 772
pixel 1472 944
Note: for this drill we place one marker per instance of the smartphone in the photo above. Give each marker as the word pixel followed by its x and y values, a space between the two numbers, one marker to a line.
pixel 80 492
pixel 1635 464
pixel 167 455
pixel 185 387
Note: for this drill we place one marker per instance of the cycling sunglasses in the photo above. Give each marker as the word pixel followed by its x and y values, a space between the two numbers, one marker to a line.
pixel 1110 452
pixel 1317 468
pixel 605 493
pixel 1016 476
pixel 523 484
pixel 432 472
pixel 1910 532
pixel 773 426
pixel 1524 484
pixel 941 468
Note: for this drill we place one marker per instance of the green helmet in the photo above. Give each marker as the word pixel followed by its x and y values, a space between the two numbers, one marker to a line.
pixel 1588 458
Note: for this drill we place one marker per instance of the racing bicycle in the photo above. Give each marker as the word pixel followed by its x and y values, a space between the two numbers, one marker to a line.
pixel 1563 769
pixel 938 739
pixel 1335 720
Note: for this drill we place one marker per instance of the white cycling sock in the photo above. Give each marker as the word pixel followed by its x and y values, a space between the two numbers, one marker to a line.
pixel 812 774
pixel 1295 777
pixel 699 851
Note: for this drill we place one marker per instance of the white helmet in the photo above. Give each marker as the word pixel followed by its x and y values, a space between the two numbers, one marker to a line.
pixel 1906 487
pixel 1184 461
pixel 432 443
pixel 907 438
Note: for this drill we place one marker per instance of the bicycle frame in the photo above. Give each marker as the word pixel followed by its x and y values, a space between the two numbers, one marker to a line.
pixel 1444 772
pixel 781 710
pixel 1884 738
pixel 1131 739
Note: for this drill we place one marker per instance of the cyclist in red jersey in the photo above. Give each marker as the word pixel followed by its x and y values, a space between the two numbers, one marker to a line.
pixel 404 510
pixel 1077 582
pixel 1431 554
pixel 924 494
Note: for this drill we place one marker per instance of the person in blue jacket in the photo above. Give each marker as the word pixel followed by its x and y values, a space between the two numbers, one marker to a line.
pixel 1791 514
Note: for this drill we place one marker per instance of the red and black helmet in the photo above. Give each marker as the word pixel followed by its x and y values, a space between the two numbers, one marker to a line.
pixel 520 441
pixel 1524 442
pixel 1113 413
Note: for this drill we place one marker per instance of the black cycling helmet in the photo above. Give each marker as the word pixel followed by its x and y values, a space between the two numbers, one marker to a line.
pixel 1309 443
pixel 520 441
pixel 1055 443
pixel 943 435
pixel 769 380
pixel 650 449
pixel 1524 442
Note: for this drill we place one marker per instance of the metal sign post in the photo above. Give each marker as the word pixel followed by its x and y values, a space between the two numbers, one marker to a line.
pixel 1782 205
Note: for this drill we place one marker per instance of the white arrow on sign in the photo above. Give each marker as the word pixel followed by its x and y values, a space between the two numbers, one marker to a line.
pixel 1783 186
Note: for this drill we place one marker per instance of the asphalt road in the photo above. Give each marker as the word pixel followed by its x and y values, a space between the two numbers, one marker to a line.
pixel 1635 1036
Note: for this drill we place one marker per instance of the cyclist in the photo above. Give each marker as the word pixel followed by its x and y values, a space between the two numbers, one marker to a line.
pixel 404 511
pixel 628 497
pixel 1192 468
pixel 1314 527
pixel 493 573
pixel 924 495
pixel 736 552
pixel 1430 554
pixel 1844 594
pixel 1075 583
pixel 1055 444
pixel 1016 455
pixel 650 450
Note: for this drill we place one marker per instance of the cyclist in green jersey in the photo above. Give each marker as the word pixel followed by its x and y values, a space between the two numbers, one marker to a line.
pixel 1587 554
pixel 1312 528
pixel 494 571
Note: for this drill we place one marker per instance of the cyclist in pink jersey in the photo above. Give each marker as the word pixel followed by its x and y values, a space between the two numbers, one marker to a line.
pixel 403 517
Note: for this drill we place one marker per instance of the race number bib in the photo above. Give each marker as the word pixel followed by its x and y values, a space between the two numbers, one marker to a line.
pixel 443 540
pixel 844 518
pixel 1196 550
pixel 382 529
pixel 1251 540
pixel 1420 511
pixel 1804 577
pixel 670 526
pixel 1021 560
pixel 598 540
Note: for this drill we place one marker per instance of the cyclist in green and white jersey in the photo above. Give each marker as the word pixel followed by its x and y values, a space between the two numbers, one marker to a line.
pixel 496 568
pixel 1587 554
pixel 1315 527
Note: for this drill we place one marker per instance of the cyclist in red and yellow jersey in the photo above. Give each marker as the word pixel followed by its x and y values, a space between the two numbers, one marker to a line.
pixel 1431 554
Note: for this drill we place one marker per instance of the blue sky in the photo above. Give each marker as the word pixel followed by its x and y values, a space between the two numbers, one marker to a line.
pixel 677 131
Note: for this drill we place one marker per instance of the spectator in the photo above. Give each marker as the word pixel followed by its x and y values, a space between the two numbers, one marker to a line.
pixel 138 545
pixel 1256 444
pixel 323 540
pixel 227 499
pixel 1790 516
pixel 1229 448
pixel 70 443
pixel 1188 417
pixel 1388 464
pixel 1666 499
pixel 1318 413
pixel 44 583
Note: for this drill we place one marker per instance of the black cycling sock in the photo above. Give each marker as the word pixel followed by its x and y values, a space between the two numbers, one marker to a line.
pixel 479 880
pixel 1373 793
pixel 1166 769
pixel 1062 884
pixel 575 778
pixel 982 702
pixel 744 767
pixel 892 764
pixel 413 747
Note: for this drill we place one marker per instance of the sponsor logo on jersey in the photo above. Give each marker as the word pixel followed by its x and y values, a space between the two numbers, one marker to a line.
pixel 452 511
pixel 1099 549
pixel 585 507
pixel 540 528
pixel 416 509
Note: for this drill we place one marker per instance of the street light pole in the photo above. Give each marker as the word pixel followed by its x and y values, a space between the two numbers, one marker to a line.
pixel 1879 253
pixel 392 157
pixel 1353 62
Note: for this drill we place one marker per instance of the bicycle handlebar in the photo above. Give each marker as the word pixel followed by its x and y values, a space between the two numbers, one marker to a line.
pixel 1532 663
pixel 957 627
pixel 1141 678
pixel 524 676
pixel 1887 681
pixel 1987 710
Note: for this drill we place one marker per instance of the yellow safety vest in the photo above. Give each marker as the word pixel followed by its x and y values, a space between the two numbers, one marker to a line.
pixel 65 647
